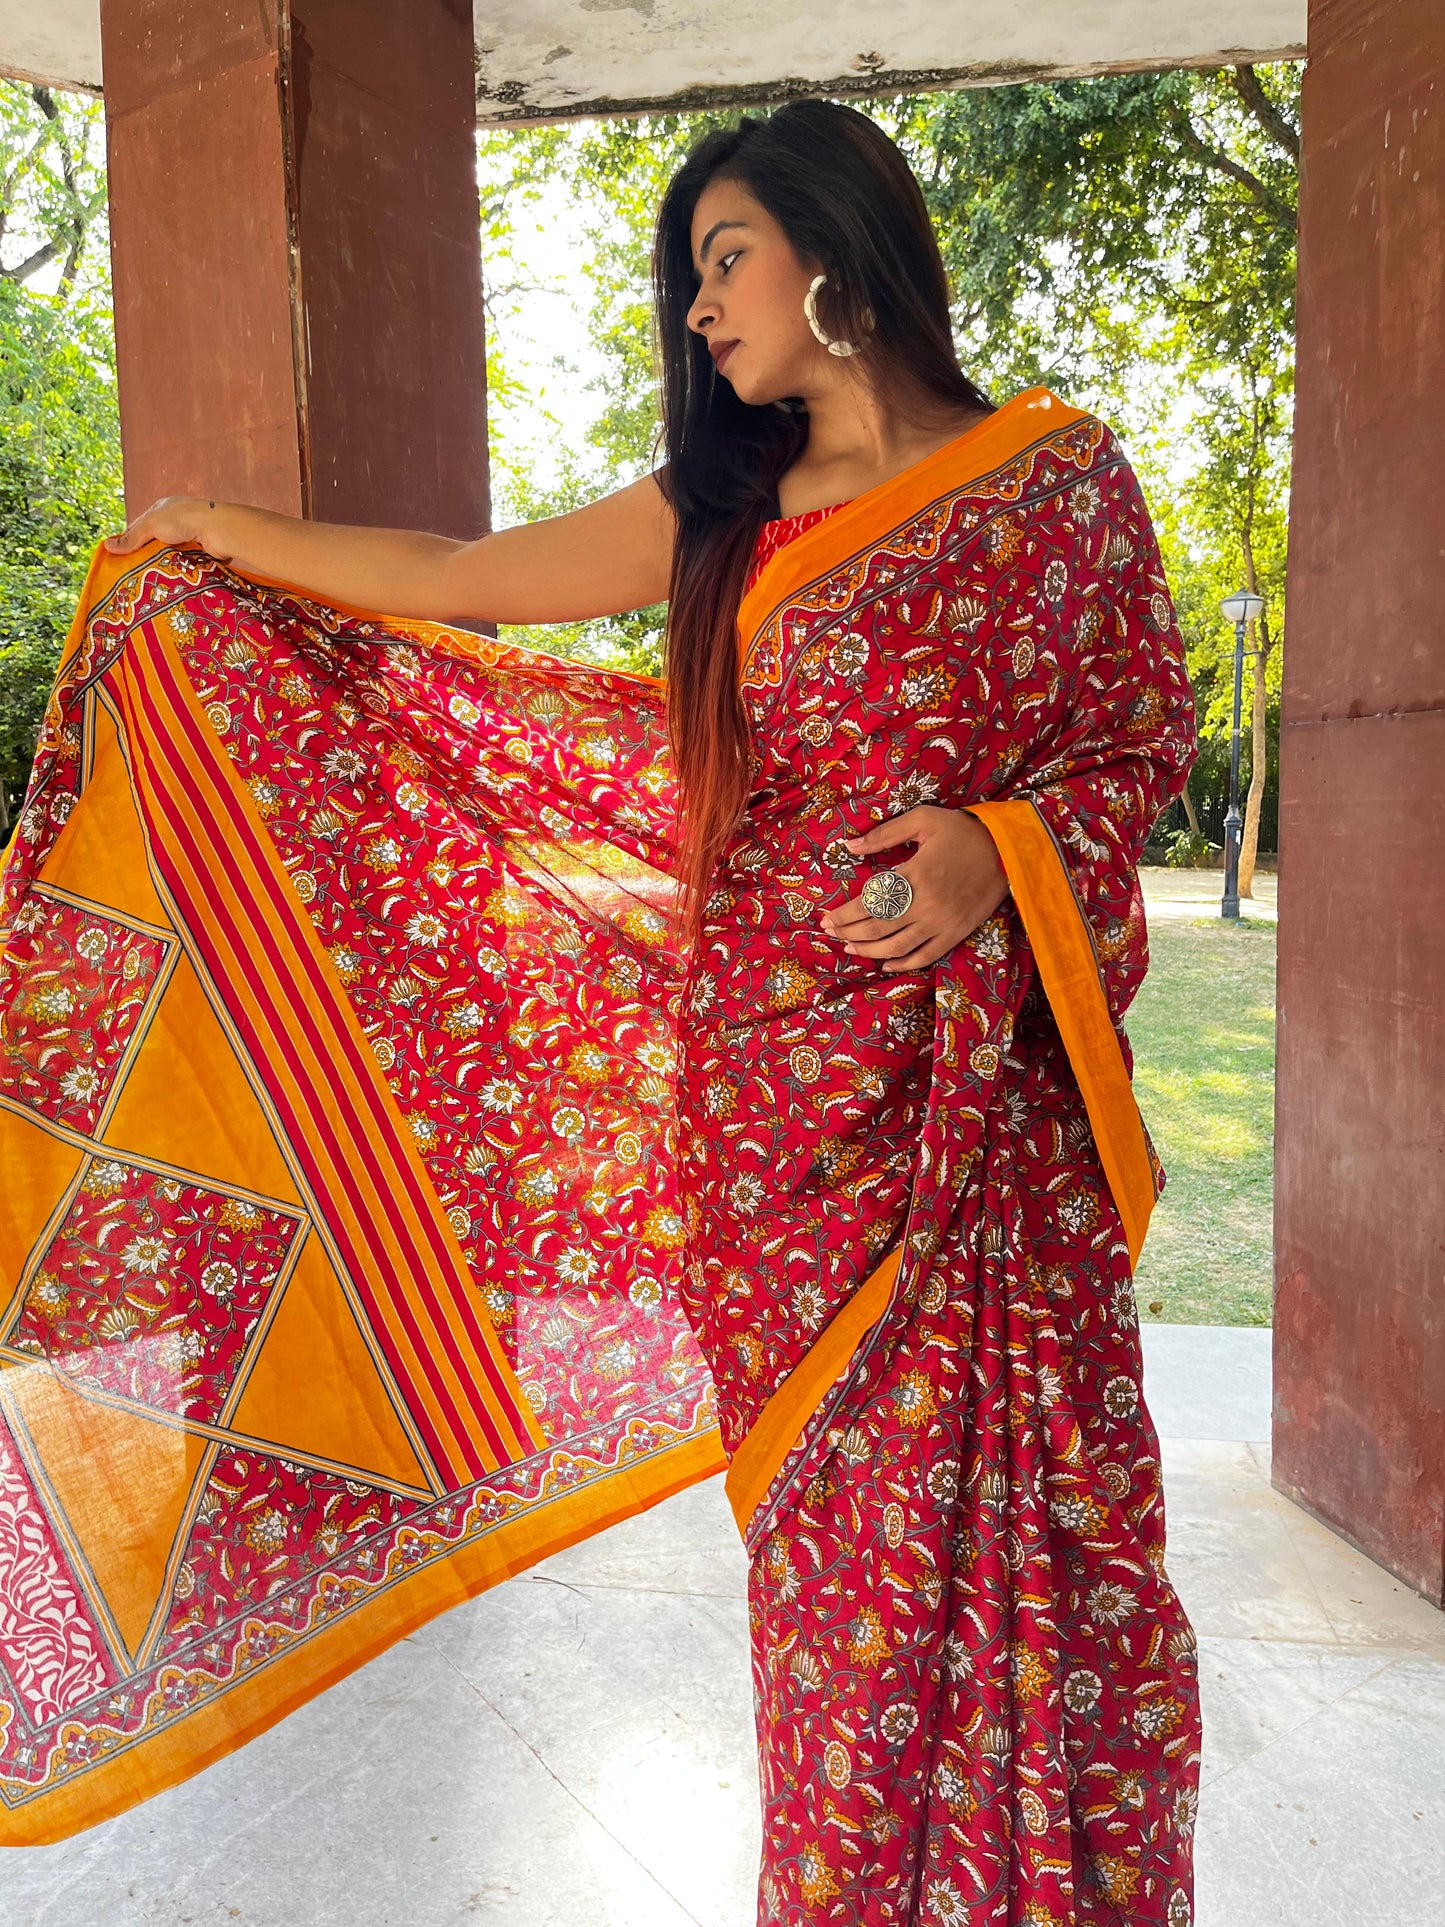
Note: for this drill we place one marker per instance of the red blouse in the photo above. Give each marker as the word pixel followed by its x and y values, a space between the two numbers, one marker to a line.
pixel 778 533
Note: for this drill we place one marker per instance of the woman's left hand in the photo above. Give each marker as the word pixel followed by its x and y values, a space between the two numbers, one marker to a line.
pixel 957 882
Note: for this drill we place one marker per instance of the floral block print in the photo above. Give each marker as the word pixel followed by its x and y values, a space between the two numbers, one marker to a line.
pixel 80 985
pixel 484 852
pixel 49 1650
pixel 152 1288
pixel 264 1526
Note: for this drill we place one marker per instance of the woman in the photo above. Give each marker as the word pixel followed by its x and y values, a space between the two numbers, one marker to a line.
pixel 907 1164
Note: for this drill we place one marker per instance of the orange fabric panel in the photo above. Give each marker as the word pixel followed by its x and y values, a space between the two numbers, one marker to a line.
pixel 37 1168
pixel 187 1101
pixel 105 839
pixel 316 1388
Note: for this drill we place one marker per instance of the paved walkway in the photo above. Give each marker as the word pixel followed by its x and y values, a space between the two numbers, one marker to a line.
pixel 575 1749
pixel 1196 893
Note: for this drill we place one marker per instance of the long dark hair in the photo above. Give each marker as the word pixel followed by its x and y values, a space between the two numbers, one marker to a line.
pixel 844 196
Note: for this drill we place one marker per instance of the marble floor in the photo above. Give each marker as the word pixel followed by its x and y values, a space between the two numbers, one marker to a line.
pixel 575 1749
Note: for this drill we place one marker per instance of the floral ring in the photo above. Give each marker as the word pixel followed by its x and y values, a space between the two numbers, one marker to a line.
pixel 886 895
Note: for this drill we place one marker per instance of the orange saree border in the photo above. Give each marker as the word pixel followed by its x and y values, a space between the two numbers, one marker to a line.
pixel 1028 418
pixel 782 1421
pixel 332 1651
pixel 1063 948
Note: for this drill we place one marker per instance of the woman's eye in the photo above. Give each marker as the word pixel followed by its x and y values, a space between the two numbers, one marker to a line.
pixel 727 260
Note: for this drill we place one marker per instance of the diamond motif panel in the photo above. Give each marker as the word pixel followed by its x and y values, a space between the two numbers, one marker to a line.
pixel 81 985
pixel 152 1288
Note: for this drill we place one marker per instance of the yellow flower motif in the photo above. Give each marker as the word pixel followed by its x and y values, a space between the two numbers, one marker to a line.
pixel 1118 1877
pixel 914 1402
pixel 787 985
pixel 509 907
pixel 239 1214
pixel 1030 1671
pixel 750 1353
pixel 537 1187
pixel 648 926
pixel 598 750
pixel 48 1295
pixel 816 1880
pixel 401 756
pixel 589 1064
pixel 664 1227
pixel 867 1642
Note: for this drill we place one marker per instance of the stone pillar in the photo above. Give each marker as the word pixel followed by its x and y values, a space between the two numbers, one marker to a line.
pixel 1359 1422
pixel 296 250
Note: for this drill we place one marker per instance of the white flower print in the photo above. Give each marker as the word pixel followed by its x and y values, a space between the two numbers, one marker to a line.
pixel 746 1193
pixel 576 1266
pixel 80 1082
pixel 425 928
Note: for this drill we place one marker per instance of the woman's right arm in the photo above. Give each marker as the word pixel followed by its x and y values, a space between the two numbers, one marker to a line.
pixel 613 555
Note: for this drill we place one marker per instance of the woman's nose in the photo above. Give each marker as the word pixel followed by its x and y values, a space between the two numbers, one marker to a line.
pixel 701 315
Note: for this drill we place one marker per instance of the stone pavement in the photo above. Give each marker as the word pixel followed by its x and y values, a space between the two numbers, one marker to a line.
pixel 575 1748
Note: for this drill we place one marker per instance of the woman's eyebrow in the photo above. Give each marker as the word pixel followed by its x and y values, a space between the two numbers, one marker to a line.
pixel 713 232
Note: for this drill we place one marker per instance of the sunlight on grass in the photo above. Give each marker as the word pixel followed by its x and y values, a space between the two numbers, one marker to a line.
pixel 1203 1035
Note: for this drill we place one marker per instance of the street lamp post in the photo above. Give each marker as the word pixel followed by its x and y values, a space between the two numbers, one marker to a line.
pixel 1241 608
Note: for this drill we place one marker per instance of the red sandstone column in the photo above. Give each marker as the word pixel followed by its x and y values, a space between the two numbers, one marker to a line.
pixel 296 249
pixel 1359 1422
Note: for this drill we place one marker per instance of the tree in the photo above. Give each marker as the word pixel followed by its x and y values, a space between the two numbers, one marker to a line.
pixel 1131 239
pixel 60 482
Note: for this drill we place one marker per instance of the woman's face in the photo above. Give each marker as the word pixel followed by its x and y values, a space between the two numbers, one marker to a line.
pixel 749 306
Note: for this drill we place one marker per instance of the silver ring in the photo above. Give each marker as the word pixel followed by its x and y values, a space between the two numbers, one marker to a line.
pixel 886 895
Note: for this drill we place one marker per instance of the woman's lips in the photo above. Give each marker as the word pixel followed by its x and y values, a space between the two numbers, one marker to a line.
pixel 720 350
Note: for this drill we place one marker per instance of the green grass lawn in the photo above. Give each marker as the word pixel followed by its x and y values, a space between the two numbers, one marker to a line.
pixel 1203 1035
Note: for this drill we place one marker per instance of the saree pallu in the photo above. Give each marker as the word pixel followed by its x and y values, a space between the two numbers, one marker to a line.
pixel 391 1197
pixel 340 1244
pixel 913 1203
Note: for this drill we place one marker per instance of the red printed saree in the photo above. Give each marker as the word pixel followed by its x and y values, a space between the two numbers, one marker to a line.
pixel 390 1200
pixel 913 1203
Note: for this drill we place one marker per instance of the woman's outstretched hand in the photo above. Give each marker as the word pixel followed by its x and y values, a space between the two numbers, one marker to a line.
pixel 175 519
pixel 957 881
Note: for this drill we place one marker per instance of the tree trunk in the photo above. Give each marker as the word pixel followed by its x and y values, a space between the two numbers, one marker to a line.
pixel 1189 810
pixel 1249 841
pixel 1259 656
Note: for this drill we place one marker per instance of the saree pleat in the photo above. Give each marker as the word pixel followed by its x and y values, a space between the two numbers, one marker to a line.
pixel 396 1196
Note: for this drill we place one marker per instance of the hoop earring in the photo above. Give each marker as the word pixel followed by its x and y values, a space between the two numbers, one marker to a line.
pixel 810 310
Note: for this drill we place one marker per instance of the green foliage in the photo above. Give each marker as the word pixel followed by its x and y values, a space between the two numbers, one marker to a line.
pixel 60 485
pixel 1188 850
